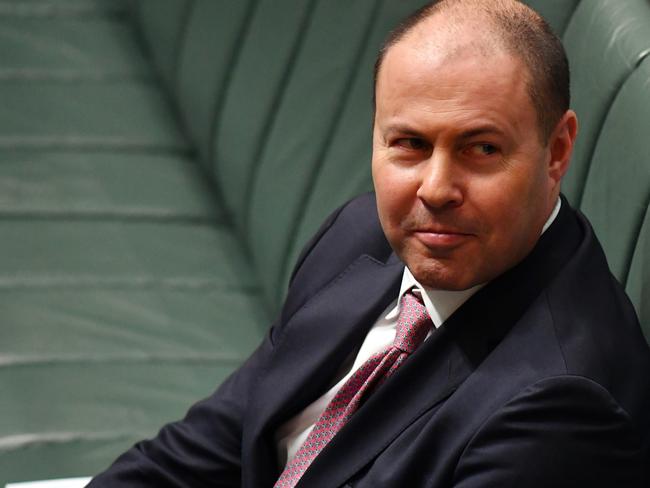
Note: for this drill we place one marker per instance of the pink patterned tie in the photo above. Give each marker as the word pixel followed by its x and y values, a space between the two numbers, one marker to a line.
pixel 413 324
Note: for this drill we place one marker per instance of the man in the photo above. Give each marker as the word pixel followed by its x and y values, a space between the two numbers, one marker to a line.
pixel 527 367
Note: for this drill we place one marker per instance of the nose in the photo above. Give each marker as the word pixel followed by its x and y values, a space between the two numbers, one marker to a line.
pixel 439 182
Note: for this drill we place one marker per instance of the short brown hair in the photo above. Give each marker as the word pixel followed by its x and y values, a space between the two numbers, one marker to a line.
pixel 523 33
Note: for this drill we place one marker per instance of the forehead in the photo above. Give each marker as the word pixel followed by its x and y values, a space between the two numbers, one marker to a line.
pixel 459 73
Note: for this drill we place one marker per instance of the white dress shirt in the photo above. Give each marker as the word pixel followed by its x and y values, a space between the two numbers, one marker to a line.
pixel 440 304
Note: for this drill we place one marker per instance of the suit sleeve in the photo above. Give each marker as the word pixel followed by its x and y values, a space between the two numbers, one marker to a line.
pixel 200 450
pixel 560 432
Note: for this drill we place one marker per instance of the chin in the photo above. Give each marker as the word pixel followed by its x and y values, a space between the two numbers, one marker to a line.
pixel 442 279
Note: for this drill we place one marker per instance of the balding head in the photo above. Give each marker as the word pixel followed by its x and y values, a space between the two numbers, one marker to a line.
pixel 457 28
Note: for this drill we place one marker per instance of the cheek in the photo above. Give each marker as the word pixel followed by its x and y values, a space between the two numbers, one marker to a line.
pixel 498 203
pixel 517 210
pixel 396 193
pixel 396 201
pixel 521 183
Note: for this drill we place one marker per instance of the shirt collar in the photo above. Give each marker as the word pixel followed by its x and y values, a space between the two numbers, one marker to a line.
pixel 440 304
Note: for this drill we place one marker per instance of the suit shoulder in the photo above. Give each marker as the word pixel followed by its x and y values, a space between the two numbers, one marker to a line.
pixel 351 231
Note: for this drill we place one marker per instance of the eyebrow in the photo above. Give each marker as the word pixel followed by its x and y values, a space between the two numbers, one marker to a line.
pixel 467 134
pixel 481 130
pixel 402 129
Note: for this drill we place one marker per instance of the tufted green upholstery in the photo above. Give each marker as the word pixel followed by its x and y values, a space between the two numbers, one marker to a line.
pixel 605 40
pixel 618 185
pixel 64 8
pixel 208 52
pixel 32 46
pixel 264 66
pixel 162 26
pixel 162 162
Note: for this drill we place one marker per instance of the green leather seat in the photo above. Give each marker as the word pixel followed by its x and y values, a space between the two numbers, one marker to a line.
pixel 162 25
pixel 605 40
pixel 64 8
pixel 618 184
pixel 33 47
pixel 207 56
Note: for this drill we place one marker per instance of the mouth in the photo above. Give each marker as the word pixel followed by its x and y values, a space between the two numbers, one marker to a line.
pixel 441 239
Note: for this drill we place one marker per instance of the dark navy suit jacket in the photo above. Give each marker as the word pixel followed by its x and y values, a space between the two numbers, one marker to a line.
pixel 541 379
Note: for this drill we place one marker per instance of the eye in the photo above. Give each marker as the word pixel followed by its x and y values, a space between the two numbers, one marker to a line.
pixel 412 143
pixel 482 150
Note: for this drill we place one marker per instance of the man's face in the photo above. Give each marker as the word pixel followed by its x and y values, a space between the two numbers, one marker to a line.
pixel 461 175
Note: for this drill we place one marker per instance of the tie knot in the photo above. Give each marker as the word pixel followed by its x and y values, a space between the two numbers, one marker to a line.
pixel 413 323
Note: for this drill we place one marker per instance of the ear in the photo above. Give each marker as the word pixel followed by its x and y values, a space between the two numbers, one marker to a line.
pixel 561 145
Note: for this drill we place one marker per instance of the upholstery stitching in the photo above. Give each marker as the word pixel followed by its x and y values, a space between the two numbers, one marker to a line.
pixel 83 142
pixel 142 215
pixel 182 37
pixel 598 133
pixel 629 254
pixel 85 283
pixel 220 99
pixel 273 112
pixel 316 170
pixel 73 75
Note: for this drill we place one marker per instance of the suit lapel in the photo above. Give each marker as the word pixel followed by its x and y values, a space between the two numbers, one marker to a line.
pixel 314 344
